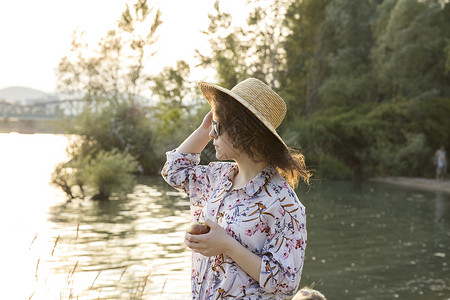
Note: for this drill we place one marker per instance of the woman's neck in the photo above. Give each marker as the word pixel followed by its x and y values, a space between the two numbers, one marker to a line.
pixel 247 170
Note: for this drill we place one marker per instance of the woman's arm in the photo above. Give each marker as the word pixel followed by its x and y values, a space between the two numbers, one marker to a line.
pixel 182 169
pixel 247 260
pixel 198 140
pixel 217 241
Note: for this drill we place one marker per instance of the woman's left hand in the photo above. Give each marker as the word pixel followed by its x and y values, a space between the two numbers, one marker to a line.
pixel 213 243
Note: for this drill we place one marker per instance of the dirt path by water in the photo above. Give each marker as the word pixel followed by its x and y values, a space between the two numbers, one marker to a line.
pixel 423 183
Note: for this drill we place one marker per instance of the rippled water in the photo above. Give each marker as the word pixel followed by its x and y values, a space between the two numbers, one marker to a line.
pixel 131 248
pixel 378 241
pixel 365 240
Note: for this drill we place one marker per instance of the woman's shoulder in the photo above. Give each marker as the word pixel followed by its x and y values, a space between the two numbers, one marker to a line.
pixel 282 194
pixel 221 165
pixel 220 169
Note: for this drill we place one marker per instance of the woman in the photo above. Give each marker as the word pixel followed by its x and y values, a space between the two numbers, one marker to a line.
pixel 256 244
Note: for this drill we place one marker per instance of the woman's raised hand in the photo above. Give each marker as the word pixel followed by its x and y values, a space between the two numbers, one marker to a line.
pixel 199 138
pixel 207 121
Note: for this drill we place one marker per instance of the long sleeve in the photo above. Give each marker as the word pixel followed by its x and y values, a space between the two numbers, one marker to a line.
pixel 182 172
pixel 265 216
pixel 284 249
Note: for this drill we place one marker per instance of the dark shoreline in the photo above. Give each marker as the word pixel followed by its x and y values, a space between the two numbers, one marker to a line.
pixel 414 182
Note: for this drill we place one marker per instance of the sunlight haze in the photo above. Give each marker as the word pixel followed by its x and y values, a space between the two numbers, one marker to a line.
pixel 35 35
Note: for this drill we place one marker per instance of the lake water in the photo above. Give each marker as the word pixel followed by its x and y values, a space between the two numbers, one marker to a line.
pixel 365 240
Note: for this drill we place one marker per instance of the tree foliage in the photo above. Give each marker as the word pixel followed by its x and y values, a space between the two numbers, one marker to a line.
pixel 228 49
pixel 114 133
pixel 178 109
pixel 97 177
pixel 347 53
pixel 366 82
pixel 115 71
pixel 305 60
pixel 408 56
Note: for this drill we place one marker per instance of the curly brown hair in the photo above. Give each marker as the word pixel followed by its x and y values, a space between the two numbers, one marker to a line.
pixel 249 135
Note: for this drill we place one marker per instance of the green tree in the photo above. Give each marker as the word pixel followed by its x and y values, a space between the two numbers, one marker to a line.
pixel 111 79
pixel 369 117
pixel 409 58
pixel 114 133
pixel 354 74
pixel 252 50
pixel 113 72
pixel 123 127
pixel 228 52
pixel 305 61
pixel 179 106
pixel 447 55
pixel 348 53
pixel 264 36
pixel 172 84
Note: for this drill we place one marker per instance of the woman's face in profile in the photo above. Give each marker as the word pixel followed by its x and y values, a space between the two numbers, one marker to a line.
pixel 222 144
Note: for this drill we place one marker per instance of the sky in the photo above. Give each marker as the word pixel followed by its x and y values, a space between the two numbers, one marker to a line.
pixel 36 34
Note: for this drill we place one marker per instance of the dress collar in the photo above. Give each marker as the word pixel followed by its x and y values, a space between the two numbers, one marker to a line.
pixel 256 183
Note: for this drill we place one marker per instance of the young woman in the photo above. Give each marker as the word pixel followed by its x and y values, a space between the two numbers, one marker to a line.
pixel 256 244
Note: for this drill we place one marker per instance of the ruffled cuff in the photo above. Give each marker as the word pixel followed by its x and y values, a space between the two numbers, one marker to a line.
pixel 182 159
pixel 178 169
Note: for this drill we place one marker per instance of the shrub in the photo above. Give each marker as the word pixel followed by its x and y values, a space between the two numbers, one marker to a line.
pixel 68 176
pixel 123 127
pixel 110 172
pixel 325 166
pixel 99 176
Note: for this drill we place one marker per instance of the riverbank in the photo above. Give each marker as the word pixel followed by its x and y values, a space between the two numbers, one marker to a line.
pixel 422 183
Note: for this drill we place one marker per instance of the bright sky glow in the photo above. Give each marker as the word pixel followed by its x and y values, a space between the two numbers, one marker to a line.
pixel 35 35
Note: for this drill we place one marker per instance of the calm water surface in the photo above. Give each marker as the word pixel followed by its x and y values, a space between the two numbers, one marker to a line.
pixel 365 240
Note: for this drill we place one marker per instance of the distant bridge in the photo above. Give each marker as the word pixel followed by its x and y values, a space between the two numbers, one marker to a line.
pixel 41 111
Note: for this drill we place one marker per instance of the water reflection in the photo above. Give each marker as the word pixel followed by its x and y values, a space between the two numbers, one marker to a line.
pixel 132 248
pixel 440 210
pixel 365 240
pixel 377 241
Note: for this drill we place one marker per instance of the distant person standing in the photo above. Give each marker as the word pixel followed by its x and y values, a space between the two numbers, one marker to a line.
pixel 440 161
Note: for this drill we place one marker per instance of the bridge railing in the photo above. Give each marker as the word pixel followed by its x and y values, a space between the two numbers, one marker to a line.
pixel 42 110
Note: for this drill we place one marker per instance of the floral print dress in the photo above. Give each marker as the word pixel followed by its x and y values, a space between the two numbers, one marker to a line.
pixel 265 216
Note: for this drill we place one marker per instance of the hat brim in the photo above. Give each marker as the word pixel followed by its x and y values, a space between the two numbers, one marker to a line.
pixel 209 91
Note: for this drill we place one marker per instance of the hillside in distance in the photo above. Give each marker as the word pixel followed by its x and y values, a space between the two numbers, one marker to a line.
pixel 23 94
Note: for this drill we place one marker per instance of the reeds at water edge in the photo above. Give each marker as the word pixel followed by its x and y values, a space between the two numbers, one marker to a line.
pixel 67 290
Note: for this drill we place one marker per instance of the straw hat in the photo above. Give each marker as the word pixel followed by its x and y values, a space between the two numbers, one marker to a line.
pixel 255 95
